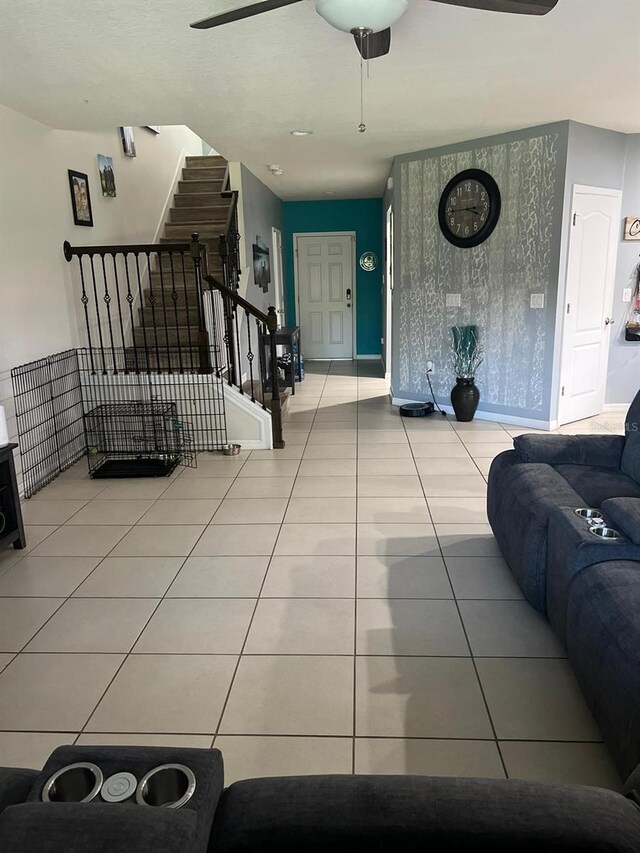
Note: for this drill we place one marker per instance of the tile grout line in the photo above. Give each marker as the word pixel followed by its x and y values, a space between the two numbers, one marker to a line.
pixel 155 610
pixel 216 733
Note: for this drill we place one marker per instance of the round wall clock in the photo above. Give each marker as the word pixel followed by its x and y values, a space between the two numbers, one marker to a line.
pixel 469 208
pixel 368 261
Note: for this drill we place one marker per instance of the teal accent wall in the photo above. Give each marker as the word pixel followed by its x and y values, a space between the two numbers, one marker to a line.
pixel 362 215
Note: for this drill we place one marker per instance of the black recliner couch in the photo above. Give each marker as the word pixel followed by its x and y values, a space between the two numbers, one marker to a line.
pixel 314 813
pixel 588 587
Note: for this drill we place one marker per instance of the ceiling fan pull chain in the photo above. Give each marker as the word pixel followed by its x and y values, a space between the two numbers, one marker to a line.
pixel 362 126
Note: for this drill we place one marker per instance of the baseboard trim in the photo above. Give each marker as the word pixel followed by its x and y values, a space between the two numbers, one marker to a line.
pixel 493 417
pixel 616 407
pixel 368 357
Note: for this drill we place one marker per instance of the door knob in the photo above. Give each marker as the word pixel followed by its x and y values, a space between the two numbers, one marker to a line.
pixel 609 321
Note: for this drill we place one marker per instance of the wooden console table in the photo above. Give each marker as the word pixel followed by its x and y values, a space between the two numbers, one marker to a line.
pixel 13 531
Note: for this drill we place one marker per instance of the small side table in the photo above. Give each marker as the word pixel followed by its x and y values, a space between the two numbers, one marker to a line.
pixel 289 336
pixel 13 531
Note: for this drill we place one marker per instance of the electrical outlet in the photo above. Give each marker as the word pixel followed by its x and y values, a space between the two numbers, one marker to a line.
pixel 453 300
pixel 626 294
pixel 537 300
pixel 429 367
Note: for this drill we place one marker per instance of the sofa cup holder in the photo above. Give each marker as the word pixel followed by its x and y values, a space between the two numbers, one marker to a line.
pixel 607 534
pixel 168 786
pixel 75 783
pixel 592 515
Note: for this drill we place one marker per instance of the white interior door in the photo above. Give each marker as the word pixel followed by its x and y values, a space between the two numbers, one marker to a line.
pixel 325 295
pixel 278 278
pixel 589 298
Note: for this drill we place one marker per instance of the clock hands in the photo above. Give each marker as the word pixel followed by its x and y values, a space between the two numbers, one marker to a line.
pixel 462 209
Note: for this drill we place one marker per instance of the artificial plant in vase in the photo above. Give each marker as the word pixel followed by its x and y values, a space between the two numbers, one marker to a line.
pixel 466 359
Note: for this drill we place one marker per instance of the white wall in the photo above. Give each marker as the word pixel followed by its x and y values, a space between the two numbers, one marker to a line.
pixel 623 380
pixel 37 299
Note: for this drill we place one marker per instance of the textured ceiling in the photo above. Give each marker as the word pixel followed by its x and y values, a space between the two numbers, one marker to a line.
pixel 452 74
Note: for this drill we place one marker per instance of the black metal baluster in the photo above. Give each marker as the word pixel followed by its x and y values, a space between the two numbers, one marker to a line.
pixel 164 317
pixel 130 299
pixel 237 339
pixel 186 305
pixel 107 301
pixel 197 252
pixel 97 309
pixel 250 355
pixel 117 283
pixel 85 301
pixel 144 325
pixel 229 340
pixel 174 298
pixel 152 300
pixel 262 334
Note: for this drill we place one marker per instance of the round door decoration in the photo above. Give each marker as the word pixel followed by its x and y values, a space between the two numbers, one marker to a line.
pixel 469 208
pixel 368 261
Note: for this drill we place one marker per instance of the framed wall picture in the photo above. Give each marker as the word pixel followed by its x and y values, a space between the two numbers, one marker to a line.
pixel 632 228
pixel 261 265
pixel 80 198
pixel 107 178
pixel 128 143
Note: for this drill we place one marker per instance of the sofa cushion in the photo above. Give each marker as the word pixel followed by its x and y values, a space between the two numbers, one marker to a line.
pixel 412 813
pixel 630 464
pixel 624 515
pixel 95 828
pixel 603 643
pixel 597 484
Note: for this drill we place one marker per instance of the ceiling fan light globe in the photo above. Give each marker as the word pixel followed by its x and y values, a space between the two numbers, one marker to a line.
pixel 375 15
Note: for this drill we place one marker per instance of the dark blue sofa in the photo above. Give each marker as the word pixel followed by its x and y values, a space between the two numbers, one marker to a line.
pixel 314 814
pixel 589 589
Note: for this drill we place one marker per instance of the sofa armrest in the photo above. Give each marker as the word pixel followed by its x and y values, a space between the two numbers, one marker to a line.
pixel 15 784
pixel 625 515
pixel 603 451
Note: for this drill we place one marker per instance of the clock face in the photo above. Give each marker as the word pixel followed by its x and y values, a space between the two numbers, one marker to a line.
pixel 469 208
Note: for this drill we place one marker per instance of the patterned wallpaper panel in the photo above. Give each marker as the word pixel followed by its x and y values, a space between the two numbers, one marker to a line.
pixel 495 278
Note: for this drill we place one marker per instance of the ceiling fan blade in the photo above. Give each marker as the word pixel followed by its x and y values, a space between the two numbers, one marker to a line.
pixel 517 7
pixel 241 13
pixel 373 45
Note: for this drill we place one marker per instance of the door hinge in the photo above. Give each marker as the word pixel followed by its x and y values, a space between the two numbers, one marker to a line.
pixel 562 394
pixel 575 216
pixel 568 308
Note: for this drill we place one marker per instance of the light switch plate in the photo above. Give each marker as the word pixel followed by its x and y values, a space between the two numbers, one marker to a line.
pixel 454 300
pixel 626 294
pixel 537 300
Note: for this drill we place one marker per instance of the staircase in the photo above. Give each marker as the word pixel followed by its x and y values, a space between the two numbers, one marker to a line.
pixel 168 332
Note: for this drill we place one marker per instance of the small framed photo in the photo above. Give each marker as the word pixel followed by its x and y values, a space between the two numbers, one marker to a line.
pixel 128 144
pixel 107 178
pixel 80 198
pixel 632 228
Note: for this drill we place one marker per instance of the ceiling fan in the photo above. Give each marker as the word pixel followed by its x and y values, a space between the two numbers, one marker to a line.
pixel 370 22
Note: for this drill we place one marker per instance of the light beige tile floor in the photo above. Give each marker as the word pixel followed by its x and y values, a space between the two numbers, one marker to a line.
pixel 337 607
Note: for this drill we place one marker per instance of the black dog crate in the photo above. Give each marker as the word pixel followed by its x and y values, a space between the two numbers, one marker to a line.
pixel 134 439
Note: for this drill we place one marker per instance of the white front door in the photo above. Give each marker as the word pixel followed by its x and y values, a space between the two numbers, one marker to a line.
pixel 325 279
pixel 589 298
pixel 278 278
